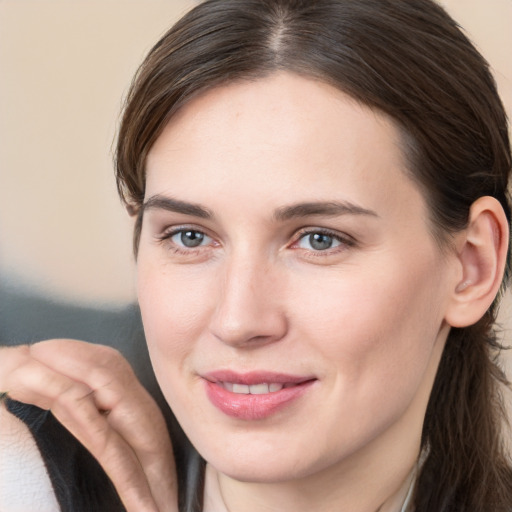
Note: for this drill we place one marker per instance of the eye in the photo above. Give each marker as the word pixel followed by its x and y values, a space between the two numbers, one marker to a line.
pixel 318 241
pixel 189 238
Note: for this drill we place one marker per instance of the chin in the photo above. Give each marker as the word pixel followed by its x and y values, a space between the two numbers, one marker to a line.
pixel 259 471
pixel 257 463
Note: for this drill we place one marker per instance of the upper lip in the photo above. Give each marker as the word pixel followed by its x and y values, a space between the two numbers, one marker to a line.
pixel 255 377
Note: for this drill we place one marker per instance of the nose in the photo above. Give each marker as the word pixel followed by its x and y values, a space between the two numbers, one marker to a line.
pixel 249 311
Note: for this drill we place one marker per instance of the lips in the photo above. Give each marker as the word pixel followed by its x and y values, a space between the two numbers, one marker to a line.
pixel 254 395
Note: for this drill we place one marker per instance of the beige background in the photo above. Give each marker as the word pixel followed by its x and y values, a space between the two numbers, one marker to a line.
pixel 65 65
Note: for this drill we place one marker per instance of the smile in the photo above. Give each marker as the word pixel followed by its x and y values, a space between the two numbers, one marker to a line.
pixel 256 395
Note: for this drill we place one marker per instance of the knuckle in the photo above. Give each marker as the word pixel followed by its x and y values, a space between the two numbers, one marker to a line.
pixel 23 351
pixel 13 357
pixel 72 395
pixel 44 345
pixel 109 356
pixel 114 362
pixel 108 365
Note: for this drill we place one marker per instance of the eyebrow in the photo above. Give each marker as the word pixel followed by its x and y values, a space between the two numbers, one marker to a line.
pixel 307 209
pixel 329 208
pixel 170 204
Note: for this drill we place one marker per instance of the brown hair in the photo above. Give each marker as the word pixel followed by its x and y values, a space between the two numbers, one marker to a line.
pixel 406 58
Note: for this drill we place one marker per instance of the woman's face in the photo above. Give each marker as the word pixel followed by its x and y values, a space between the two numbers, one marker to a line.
pixel 292 295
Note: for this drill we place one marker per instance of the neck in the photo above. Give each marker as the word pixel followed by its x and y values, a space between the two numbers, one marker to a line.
pixel 369 484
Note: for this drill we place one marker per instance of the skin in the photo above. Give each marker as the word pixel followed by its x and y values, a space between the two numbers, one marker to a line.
pixel 94 393
pixel 260 319
pixel 366 317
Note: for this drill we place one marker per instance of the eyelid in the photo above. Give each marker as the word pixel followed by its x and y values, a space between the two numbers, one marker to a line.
pixel 170 231
pixel 344 239
pixel 166 235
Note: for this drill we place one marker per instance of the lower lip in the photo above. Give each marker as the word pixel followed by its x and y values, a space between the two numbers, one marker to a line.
pixel 253 407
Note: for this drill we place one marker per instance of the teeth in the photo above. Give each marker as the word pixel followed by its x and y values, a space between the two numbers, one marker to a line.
pixel 243 389
pixel 258 389
pixel 254 389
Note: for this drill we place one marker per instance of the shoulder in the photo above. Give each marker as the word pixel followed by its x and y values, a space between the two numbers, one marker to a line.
pixel 24 480
pixel 66 471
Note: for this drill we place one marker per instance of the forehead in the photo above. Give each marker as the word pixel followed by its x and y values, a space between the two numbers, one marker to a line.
pixel 282 133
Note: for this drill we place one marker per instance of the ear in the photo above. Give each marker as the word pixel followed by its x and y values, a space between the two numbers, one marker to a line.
pixel 481 254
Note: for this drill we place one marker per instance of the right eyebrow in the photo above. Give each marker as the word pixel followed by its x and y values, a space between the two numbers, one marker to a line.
pixel 159 202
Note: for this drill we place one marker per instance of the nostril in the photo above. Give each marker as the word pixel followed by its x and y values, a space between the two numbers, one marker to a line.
pixel 246 313
pixel 250 334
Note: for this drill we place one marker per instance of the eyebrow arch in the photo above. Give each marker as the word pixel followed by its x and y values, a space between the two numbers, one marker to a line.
pixel 329 208
pixel 170 204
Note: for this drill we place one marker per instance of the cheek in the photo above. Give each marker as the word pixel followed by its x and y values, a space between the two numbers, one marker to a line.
pixel 173 307
pixel 373 336
pixel 174 303
pixel 374 325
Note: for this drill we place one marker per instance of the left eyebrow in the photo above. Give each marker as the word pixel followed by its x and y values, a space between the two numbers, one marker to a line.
pixel 328 208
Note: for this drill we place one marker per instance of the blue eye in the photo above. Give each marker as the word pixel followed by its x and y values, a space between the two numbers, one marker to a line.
pixel 318 241
pixel 190 238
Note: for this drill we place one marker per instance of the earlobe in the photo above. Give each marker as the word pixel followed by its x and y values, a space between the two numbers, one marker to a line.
pixel 482 253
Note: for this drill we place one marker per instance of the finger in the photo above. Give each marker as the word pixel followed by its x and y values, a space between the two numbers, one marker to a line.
pixel 10 359
pixel 30 381
pixel 132 411
pixel 115 456
pixel 73 405
pixel 115 386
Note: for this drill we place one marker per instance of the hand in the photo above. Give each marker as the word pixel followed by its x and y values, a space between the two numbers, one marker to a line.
pixel 92 390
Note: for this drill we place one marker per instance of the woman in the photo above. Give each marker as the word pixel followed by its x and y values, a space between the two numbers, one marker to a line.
pixel 322 225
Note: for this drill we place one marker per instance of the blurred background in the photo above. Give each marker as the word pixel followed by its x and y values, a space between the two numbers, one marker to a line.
pixel 65 67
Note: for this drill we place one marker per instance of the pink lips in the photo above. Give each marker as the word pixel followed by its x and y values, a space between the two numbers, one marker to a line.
pixel 254 406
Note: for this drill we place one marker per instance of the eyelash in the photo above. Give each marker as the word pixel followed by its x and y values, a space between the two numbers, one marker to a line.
pixel 167 236
pixel 345 241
